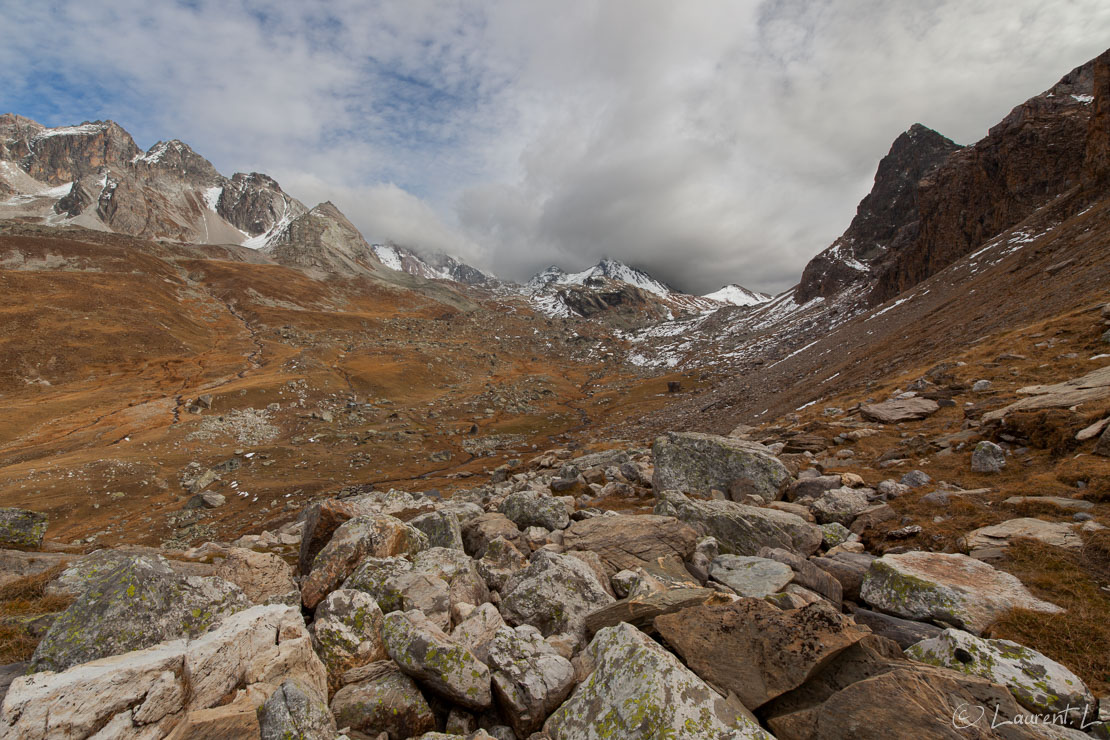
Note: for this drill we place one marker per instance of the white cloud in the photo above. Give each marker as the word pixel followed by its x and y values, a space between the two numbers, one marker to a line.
pixel 711 142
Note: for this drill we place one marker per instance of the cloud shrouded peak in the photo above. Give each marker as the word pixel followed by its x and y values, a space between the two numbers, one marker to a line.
pixel 707 143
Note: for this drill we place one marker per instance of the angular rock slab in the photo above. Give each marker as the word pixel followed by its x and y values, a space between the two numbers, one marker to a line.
pixel 1057 534
pixel 260 575
pixel 742 529
pixel 1039 683
pixel 426 653
pixel 530 509
pixel 756 650
pixel 362 537
pixel 529 677
pixel 639 691
pixel 948 588
pixel 383 700
pixel 554 594
pixel 137 604
pixel 698 463
pixel 750 576
pixel 441 527
pixel 894 412
pixel 626 542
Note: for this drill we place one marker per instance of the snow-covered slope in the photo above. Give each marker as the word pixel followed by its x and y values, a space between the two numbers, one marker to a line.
pixel 738 295
pixel 606 269
pixel 433 267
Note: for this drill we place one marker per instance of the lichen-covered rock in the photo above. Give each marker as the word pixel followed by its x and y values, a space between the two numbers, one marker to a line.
pixel 145 693
pixel 477 631
pixel 460 573
pixel 260 575
pixel 756 650
pixel 750 576
pixel 626 542
pixel 698 463
pixel 139 603
pixel 347 631
pixel 554 594
pixel 441 527
pixel 377 536
pixel 835 534
pixel 639 691
pixel 741 529
pixel 384 700
pixel 500 562
pixel 373 576
pixel 22 528
pixel 839 505
pixel 988 458
pixel 79 574
pixel 529 677
pixel 530 509
pixel 296 712
pixel 1039 683
pixel 482 530
pixel 433 658
pixel 948 588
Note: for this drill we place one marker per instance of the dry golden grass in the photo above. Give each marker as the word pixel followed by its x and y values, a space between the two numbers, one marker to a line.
pixel 21 600
pixel 1079 638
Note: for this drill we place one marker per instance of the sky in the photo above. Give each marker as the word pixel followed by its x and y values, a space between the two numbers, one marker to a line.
pixel 708 142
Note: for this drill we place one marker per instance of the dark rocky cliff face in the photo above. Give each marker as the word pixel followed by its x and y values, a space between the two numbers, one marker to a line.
pixel 254 203
pixel 1096 165
pixel 1033 155
pixel 58 156
pixel 886 219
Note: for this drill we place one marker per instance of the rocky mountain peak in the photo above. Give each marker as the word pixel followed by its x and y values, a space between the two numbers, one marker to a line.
pixel 179 158
pixel 61 155
pixel 886 219
pixel 1096 164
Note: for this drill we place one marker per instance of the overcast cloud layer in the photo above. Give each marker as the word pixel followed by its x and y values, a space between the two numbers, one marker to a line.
pixel 707 142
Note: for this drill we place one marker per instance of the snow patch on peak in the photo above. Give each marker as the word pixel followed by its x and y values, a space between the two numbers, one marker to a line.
pixel 738 295
pixel 212 197
pixel 389 256
pixel 82 130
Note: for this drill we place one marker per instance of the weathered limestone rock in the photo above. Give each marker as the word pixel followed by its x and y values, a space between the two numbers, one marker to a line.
pixel 295 710
pixel 750 576
pixel 500 563
pixel 426 653
pixel 638 691
pixel 374 576
pixel 554 594
pixel 482 530
pixel 953 589
pixel 1039 683
pixel 362 537
pixel 384 699
pixel 347 631
pixel 741 529
pixel 477 631
pixel 807 574
pixel 139 603
pixel 698 463
pixel 642 607
pixel 529 677
pixel 22 528
pixel 840 506
pixel 530 509
pixel 756 650
pixel 260 575
pixel 627 541
pixel 152 690
pixel 441 527
pixel 1057 534
pixel 237 719
pixel 894 412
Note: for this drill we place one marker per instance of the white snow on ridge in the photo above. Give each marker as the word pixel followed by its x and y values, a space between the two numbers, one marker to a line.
pixel 738 295
pixel 85 128
pixel 388 256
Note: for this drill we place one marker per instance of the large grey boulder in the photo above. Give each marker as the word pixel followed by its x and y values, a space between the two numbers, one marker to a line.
pixel 626 542
pixel 639 691
pixel 742 529
pixel 347 631
pixel 1039 683
pixel 296 712
pixel 479 628
pixel 433 658
pixel 947 588
pixel 374 576
pixel 554 594
pixel 378 536
pixel 698 463
pixel 840 505
pixel 22 528
pixel 261 575
pixel 530 509
pixel 530 679
pixel 441 527
pixel 500 563
pixel 988 458
pixel 139 603
pixel 750 576
pixel 383 699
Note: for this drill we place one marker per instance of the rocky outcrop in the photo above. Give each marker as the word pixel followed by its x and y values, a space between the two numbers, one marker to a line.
pixel 530 678
pixel 952 589
pixel 322 242
pixel 742 529
pixel 554 593
pixel 347 631
pixel 22 528
pixel 638 690
pixel 139 603
pixel 433 658
pixel 383 699
pixel 628 542
pixel 699 463
pixel 886 220
pixel 295 711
